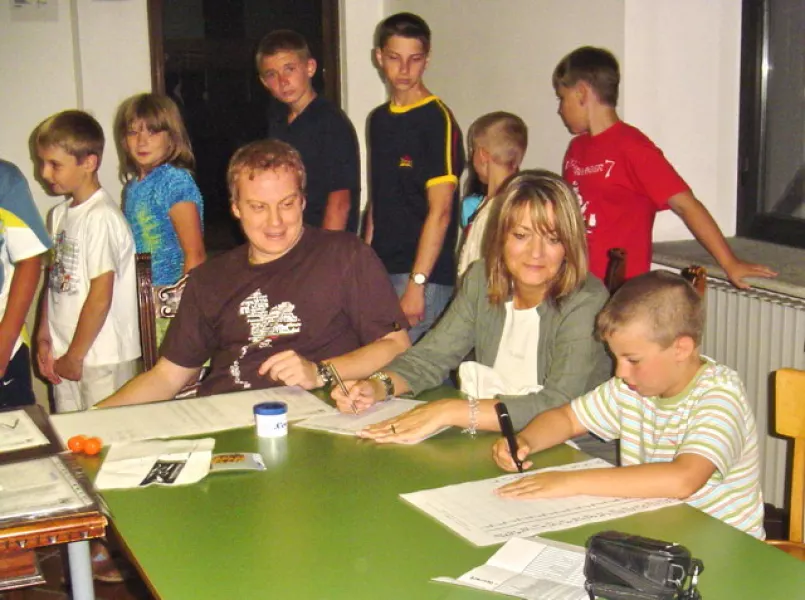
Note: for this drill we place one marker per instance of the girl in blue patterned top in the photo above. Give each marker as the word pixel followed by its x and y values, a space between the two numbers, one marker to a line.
pixel 161 201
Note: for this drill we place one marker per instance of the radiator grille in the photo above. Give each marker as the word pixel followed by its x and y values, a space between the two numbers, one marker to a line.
pixel 757 332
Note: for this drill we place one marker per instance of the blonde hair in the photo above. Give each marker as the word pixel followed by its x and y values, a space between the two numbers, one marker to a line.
pixel 75 132
pixel 158 113
pixel 532 191
pixel 281 40
pixel 260 156
pixel 502 134
pixel 665 301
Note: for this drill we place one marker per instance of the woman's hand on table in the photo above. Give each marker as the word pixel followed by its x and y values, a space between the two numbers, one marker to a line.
pixel 362 395
pixel 415 425
pixel 503 457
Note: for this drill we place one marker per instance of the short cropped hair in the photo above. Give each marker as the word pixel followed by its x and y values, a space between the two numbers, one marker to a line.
pixel 260 156
pixel 502 134
pixel 404 24
pixel 533 191
pixel 596 67
pixel 281 40
pixel 665 301
pixel 158 113
pixel 74 131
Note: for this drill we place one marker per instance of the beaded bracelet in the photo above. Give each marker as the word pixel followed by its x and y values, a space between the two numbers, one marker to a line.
pixel 472 429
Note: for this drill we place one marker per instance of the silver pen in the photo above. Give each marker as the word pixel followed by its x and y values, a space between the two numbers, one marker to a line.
pixel 340 383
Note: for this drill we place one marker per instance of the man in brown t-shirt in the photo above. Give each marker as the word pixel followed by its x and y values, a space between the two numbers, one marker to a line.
pixel 272 311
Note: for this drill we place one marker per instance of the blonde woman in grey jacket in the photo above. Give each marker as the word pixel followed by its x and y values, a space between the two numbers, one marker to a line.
pixel 527 310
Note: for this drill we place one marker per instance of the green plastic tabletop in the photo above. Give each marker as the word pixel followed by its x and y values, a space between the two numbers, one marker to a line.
pixel 325 521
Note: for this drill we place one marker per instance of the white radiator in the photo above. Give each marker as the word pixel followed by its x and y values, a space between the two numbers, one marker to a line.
pixel 757 332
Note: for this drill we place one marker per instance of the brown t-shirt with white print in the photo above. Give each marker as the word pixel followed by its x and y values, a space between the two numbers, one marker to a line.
pixel 327 296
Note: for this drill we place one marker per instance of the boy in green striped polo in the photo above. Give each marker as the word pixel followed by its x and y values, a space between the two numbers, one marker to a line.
pixel 685 428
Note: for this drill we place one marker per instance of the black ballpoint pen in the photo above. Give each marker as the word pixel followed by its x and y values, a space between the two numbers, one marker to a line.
pixel 507 429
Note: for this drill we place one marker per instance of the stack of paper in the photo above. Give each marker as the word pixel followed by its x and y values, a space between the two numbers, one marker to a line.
pixel 18 431
pixel 180 418
pixel 531 569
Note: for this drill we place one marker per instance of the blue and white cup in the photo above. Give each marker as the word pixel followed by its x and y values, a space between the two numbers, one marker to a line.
pixel 271 419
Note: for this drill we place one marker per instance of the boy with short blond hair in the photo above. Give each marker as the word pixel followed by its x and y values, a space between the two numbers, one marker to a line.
pixel 88 339
pixel 417 158
pixel 319 130
pixel 622 179
pixel 497 144
pixel 685 428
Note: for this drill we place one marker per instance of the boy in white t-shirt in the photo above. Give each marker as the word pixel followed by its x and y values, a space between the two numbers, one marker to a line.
pixel 685 428
pixel 497 143
pixel 88 340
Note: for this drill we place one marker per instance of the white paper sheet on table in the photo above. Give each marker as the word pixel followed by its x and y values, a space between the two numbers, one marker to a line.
pixel 38 487
pixel 18 431
pixel 178 418
pixel 473 511
pixel 154 462
pixel 534 569
pixel 351 424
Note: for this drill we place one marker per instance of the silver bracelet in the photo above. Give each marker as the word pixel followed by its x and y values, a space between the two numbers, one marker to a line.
pixel 472 429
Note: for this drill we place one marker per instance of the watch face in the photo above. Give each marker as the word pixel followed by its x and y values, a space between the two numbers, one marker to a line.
pixel 419 278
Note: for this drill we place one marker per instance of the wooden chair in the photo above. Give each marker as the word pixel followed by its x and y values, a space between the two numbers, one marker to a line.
pixel 616 269
pixel 789 420
pixel 697 276
pixel 152 302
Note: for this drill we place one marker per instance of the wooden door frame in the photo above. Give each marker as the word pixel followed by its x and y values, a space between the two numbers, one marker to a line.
pixel 330 61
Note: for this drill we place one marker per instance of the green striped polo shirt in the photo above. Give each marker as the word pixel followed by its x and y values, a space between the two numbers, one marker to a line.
pixel 710 418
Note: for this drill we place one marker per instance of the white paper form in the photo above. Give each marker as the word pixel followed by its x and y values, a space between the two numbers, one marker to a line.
pixel 18 431
pixel 530 569
pixel 473 510
pixel 350 424
pixel 39 487
pixel 179 418
pixel 152 462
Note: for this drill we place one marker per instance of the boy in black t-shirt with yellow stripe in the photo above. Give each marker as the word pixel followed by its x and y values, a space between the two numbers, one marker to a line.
pixel 416 157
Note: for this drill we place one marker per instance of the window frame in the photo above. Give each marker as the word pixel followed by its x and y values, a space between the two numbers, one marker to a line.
pixel 752 221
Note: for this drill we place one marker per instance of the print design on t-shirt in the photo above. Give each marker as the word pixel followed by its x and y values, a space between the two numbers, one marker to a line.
pixel 63 273
pixel 578 171
pixel 266 323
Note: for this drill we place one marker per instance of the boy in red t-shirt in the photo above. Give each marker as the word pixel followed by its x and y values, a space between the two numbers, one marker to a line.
pixel 622 179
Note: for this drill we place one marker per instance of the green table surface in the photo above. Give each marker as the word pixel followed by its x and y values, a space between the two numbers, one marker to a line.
pixel 325 521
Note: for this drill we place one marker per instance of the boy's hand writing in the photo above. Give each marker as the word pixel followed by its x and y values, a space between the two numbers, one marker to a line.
pixel 502 456
pixel 740 269
pixel 551 484
pixel 69 367
pixel 362 395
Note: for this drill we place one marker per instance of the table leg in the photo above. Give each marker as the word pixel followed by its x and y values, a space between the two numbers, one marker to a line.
pixel 81 570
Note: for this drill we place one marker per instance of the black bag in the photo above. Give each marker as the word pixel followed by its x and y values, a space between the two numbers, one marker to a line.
pixel 629 567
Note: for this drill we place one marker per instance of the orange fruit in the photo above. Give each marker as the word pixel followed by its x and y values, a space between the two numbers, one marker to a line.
pixel 76 443
pixel 92 446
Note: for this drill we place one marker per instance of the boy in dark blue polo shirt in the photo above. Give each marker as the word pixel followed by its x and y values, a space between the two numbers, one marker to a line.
pixel 417 157
pixel 319 130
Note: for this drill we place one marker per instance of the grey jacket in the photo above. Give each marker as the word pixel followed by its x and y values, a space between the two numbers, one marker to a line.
pixel 570 361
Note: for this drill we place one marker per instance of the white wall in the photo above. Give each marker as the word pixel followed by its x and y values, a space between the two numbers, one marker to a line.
pixel 92 57
pixel 682 68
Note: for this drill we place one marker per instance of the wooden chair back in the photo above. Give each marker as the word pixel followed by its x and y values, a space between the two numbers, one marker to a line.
pixel 616 269
pixel 789 420
pixel 152 302
pixel 697 276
